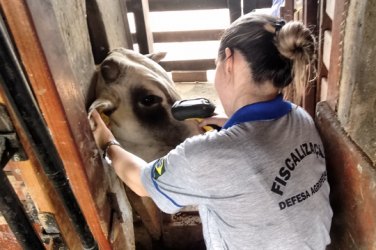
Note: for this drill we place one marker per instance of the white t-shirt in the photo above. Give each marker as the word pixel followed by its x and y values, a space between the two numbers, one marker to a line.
pixel 258 184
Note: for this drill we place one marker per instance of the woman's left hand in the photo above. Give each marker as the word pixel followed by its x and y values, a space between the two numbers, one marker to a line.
pixel 101 132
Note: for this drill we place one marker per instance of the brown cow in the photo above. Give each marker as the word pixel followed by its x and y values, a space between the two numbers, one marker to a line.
pixel 136 93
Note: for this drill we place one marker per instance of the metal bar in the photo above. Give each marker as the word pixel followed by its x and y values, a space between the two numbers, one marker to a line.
pixel 17 91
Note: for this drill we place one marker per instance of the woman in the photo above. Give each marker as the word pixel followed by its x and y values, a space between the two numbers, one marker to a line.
pixel 260 182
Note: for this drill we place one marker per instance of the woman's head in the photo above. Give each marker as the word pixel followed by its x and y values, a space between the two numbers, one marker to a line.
pixel 276 52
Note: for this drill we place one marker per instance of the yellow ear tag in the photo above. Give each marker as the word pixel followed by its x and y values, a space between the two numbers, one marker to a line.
pixel 105 118
pixel 205 128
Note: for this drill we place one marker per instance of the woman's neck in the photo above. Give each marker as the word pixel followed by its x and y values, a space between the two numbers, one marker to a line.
pixel 245 90
pixel 252 93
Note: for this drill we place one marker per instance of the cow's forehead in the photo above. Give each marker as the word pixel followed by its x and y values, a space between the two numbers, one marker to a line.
pixel 129 58
pixel 137 70
pixel 132 57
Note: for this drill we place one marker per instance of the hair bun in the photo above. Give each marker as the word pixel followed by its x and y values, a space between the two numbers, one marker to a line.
pixel 295 42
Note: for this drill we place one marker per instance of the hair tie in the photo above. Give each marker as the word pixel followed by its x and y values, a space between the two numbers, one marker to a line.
pixel 278 25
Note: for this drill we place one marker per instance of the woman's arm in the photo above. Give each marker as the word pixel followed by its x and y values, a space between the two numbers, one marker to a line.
pixel 126 165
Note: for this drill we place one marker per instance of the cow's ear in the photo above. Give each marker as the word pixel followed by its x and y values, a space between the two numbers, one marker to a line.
pixel 110 71
pixel 157 56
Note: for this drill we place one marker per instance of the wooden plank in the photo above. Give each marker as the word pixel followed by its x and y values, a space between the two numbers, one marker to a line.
pixel 128 34
pixel 98 38
pixel 327 48
pixel 334 72
pixel 44 197
pixel 190 65
pixel 189 76
pixel 298 14
pixel 352 185
pixel 330 6
pixel 309 100
pixel 71 25
pixel 176 5
pixel 7 237
pixel 248 6
pixel 324 89
pixel 357 99
pixel 143 32
pixel 108 27
pixel 235 9
pixel 149 213
pixel 115 21
pixel 38 186
pixel 325 23
pixel 80 161
pixel 187 36
pixel 59 57
pixel 121 232
pixel 310 13
pixel 191 233
pixel 287 11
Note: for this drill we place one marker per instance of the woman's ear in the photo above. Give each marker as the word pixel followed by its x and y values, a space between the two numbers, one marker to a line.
pixel 229 61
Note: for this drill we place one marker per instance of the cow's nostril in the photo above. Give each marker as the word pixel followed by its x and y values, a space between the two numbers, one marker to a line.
pixel 110 71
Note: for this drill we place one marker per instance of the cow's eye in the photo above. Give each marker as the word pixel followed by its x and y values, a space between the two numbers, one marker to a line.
pixel 150 100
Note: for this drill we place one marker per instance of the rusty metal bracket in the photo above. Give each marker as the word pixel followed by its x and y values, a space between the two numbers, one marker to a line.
pixel 51 232
pixel 10 147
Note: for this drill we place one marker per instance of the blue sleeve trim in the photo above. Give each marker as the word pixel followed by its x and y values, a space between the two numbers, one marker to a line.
pixel 159 190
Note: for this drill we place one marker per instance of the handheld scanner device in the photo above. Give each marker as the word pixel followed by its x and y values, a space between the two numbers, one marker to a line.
pixel 193 109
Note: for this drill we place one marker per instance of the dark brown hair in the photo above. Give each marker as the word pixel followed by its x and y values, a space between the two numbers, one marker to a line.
pixel 276 52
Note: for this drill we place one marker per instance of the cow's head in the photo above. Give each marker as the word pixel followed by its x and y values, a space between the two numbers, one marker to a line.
pixel 136 93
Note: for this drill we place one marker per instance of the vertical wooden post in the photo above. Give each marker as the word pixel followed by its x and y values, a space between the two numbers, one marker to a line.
pixel 143 32
pixel 108 27
pixel 248 6
pixel 287 12
pixel 235 9
pixel 334 72
pixel 310 9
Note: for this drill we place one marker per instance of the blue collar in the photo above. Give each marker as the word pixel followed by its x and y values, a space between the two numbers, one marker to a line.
pixel 268 110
